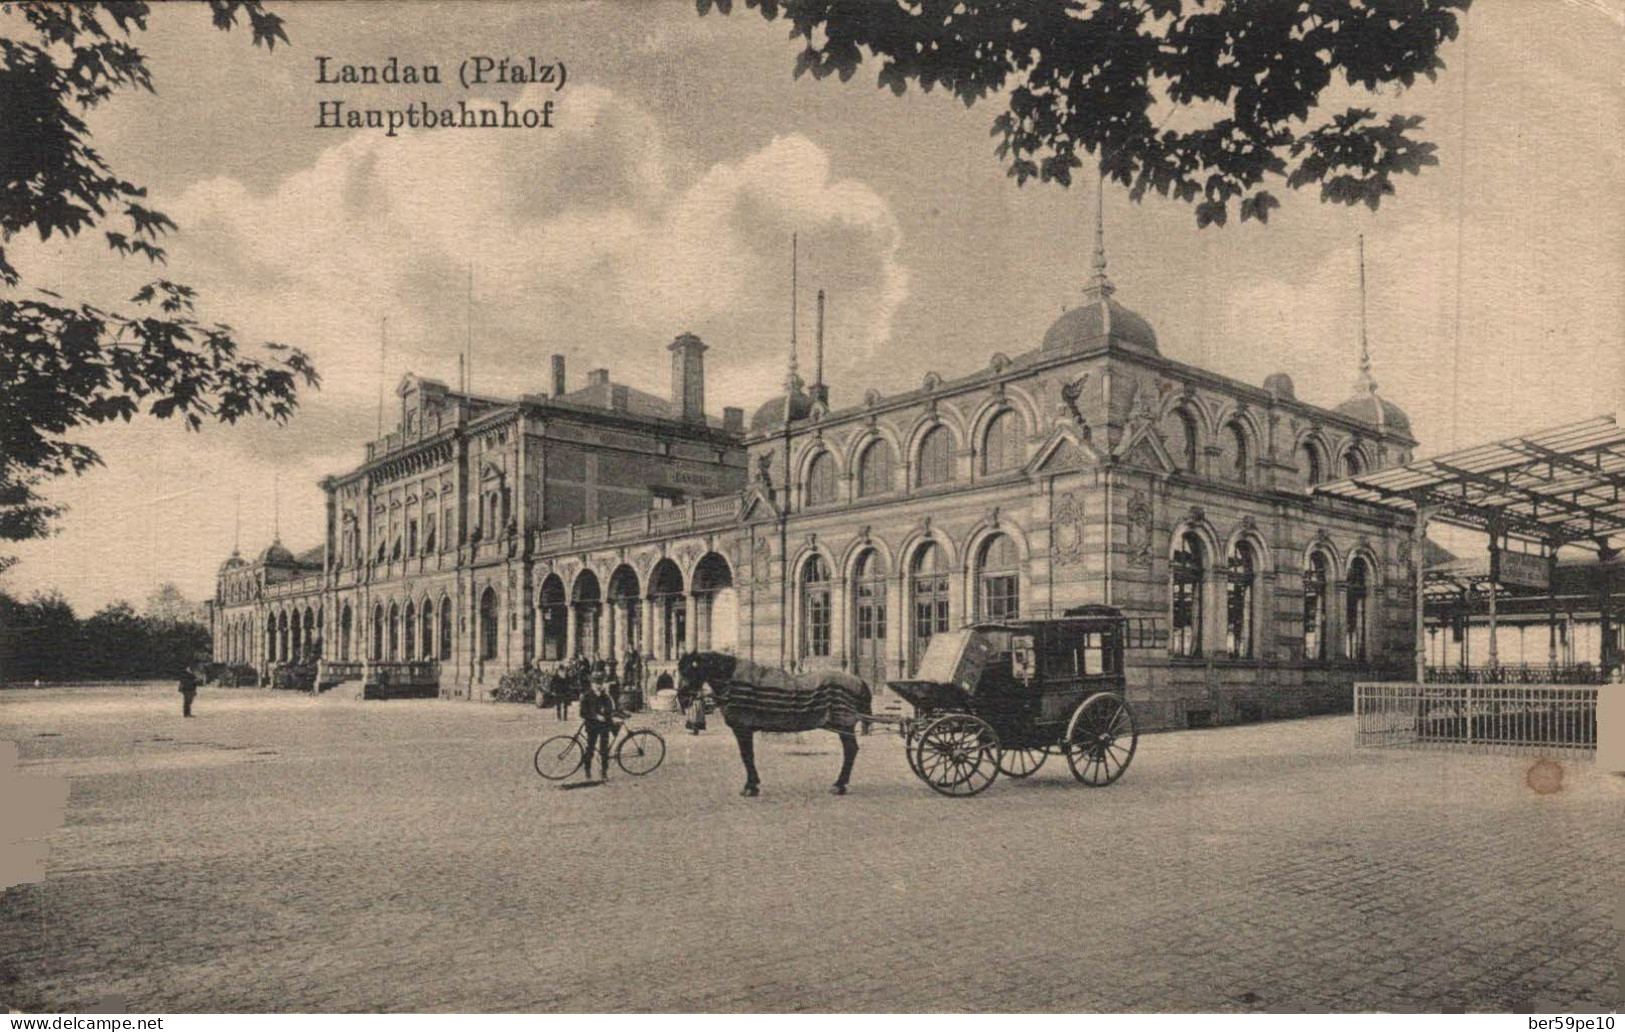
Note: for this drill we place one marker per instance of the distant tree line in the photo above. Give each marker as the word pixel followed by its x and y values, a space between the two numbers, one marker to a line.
pixel 43 639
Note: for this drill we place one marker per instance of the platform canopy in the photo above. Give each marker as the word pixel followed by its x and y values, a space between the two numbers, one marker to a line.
pixel 1559 486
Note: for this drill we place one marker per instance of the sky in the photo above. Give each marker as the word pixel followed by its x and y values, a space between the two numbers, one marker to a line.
pixel 685 154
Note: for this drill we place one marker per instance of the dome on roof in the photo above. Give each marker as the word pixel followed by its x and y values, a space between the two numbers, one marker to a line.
pixel 1099 318
pixel 1378 411
pixel 233 562
pixel 771 413
pixel 1280 385
pixel 278 555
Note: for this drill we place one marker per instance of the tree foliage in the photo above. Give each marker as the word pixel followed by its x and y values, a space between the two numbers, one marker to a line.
pixel 65 365
pixel 43 639
pixel 1104 77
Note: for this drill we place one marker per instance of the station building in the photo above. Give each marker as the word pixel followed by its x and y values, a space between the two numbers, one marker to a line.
pixel 483 533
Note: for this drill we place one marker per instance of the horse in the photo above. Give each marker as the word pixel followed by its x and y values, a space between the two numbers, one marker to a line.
pixel 753 698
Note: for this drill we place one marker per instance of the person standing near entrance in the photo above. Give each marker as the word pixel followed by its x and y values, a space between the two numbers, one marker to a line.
pixel 598 710
pixel 188 689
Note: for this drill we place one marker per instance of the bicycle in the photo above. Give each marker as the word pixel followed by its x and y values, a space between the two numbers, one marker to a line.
pixel 637 752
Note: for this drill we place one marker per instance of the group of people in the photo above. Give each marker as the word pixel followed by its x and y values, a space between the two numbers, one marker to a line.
pixel 580 676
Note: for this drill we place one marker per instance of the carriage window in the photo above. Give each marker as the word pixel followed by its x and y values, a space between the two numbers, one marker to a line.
pixel 1060 657
pixel 1023 662
pixel 1094 654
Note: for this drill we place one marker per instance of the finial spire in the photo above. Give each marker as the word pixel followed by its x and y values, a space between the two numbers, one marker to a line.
pixel 276 508
pixel 1100 286
pixel 237 532
pixel 1365 383
pixel 792 379
pixel 820 392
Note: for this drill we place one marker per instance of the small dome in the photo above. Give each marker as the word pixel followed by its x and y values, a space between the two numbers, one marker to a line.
pixel 1379 412
pixel 277 555
pixel 1280 385
pixel 771 413
pixel 234 561
pixel 1094 320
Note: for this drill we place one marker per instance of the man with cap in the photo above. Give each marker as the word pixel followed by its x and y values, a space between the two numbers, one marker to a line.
pixel 598 710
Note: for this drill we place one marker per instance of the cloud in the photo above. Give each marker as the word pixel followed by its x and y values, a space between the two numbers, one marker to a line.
pixel 601 239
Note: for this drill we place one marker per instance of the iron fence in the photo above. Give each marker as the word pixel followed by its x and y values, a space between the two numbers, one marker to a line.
pixel 1496 718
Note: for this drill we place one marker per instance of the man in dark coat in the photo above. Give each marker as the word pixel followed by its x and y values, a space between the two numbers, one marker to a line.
pixel 598 710
pixel 188 681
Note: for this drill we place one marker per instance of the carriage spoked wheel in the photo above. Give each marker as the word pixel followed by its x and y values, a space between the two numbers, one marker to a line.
pixel 559 757
pixel 1100 739
pixel 957 755
pixel 1022 763
pixel 911 738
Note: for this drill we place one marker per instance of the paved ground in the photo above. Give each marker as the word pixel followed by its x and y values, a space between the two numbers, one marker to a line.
pixel 288 853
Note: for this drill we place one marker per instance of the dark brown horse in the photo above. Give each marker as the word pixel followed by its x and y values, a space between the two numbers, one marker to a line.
pixel 756 698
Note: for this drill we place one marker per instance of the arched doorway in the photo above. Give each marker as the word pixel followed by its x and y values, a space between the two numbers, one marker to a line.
pixel 869 616
pixel 554 613
pixel 409 629
pixel 928 591
pixel 346 619
pixel 588 603
pixel 394 632
pixel 670 609
pixel 445 627
pixel 817 608
pixel 716 605
pixel 378 632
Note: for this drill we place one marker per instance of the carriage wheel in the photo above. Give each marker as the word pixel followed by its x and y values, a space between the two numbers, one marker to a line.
pixel 559 757
pixel 1100 739
pixel 1022 763
pixel 957 755
pixel 911 738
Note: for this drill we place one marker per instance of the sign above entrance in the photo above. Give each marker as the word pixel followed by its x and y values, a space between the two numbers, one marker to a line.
pixel 1522 570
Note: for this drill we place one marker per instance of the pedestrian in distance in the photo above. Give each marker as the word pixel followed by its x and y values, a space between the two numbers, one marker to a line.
pixel 188 689
pixel 560 689
pixel 598 710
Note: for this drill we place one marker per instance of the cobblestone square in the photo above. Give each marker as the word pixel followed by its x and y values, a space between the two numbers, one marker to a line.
pixel 289 853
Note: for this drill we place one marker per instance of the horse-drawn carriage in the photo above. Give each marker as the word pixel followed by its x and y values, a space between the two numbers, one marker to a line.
pixel 1003 697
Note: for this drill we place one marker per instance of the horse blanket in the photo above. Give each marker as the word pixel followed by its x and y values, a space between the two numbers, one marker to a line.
pixel 764 698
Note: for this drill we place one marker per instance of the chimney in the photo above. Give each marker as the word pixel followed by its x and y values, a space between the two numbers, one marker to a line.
pixel 688 377
pixel 733 420
pixel 617 397
pixel 597 377
pixel 558 375
pixel 820 392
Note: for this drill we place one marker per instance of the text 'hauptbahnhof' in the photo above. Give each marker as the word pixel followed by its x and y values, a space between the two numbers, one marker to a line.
pixel 483 534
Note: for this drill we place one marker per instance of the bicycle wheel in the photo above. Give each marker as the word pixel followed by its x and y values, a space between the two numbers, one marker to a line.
pixel 559 757
pixel 640 752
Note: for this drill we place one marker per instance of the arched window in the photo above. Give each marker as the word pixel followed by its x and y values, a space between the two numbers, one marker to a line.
pixel 1240 577
pixel 445 627
pixel 1314 470
pixel 394 631
pixel 1238 449
pixel 1190 444
pixel 821 479
pixel 378 631
pixel 874 470
pixel 815 608
pixel 410 627
pixel 1356 590
pixel 428 535
pixel 1315 584
pixel 1189 569
pixel 936 465
pixel 426 630
pixel 625 610
pixel 928 592
pixel 998 579
pixel 488 624
pixel 869 615
pixel 1001 445
pixel 1353 463
pixel 555 618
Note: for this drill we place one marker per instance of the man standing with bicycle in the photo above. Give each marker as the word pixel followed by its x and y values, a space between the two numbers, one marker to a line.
pixel 598 710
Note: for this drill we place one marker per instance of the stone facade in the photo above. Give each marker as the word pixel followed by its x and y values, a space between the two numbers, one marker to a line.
pixel 485 534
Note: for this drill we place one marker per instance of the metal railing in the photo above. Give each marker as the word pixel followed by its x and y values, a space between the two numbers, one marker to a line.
pixel 1493 718
pixel 1580 673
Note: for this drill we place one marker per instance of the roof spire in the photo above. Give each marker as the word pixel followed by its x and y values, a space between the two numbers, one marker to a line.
pixel 792 379
pixel 1365 384
pixel 276 508
pixel 1100 286
pixel 237 533
pixel 819 391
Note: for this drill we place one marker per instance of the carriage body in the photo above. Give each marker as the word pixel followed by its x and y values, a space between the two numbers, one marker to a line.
pixel 1023 686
